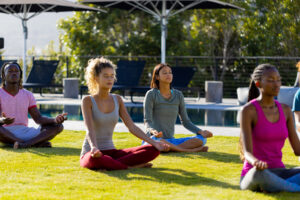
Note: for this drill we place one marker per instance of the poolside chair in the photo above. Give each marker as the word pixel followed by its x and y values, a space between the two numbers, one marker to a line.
pixel 2 62
pixel 182 76
pixel 128 76
pixel 242 95
pixel 1 43
pixel 41 75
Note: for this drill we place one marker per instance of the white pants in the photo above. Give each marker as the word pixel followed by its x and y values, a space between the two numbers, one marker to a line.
pixel 23 132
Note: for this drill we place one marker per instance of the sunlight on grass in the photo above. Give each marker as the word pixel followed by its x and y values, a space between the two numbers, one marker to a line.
pixel 54 173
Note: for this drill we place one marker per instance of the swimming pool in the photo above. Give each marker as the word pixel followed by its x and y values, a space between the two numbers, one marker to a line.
pixel 198 116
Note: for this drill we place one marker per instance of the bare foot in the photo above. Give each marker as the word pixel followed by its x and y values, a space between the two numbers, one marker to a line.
pixel 200 149
pixel 16 145
pixel 20 145
pixel 204 149
pixel 144 165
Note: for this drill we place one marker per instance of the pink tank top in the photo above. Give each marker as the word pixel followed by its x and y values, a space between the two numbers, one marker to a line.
pixel 268 139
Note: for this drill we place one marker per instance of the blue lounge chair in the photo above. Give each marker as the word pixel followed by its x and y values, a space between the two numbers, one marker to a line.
pixel 182 76
pixel 41 75
pixel 128 76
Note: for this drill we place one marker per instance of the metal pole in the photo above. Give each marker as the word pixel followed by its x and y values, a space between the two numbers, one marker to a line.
pixel 67 65
pixel 25 33
pixel 163 32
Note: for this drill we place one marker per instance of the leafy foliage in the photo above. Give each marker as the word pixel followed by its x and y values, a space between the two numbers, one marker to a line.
pixel 264 28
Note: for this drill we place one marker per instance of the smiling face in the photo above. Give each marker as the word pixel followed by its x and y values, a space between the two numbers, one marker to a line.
pixel 270 82
pixel 106 78
pixel 12 74
pixel 165 75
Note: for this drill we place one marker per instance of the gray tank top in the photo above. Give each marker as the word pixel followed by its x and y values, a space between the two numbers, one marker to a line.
pixel 104 124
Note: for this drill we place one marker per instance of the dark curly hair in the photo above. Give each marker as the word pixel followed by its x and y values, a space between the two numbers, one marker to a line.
pixel 3 73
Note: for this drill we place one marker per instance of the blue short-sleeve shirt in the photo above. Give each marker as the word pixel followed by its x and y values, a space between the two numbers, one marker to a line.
pixel 296 103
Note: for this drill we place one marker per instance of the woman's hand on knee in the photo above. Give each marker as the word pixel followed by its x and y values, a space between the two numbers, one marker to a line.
pixel 260 165
pixel 205 133
pixel 96 153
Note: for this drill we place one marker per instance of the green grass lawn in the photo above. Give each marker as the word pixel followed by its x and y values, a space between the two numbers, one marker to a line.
pixel 54 173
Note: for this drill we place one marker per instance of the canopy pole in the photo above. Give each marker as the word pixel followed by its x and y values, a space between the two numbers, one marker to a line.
pixel 163 32
pixel 25 34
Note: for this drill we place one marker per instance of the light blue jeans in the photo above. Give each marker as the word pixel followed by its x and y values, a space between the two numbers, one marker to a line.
pixel 272 180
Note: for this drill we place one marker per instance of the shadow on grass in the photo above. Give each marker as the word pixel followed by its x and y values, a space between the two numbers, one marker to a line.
pixel 166 175
pixel 211 155
pixel 291 166
pixel 61 151
pixel 285 196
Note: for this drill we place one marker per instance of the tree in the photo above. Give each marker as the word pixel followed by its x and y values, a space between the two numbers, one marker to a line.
pixel 118 33
pixel 264 28
pixel 271 28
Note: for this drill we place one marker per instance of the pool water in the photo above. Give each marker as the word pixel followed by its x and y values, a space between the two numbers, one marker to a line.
pixel 197 116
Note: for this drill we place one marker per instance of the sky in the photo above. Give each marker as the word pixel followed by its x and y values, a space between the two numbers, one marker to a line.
pixel 41 30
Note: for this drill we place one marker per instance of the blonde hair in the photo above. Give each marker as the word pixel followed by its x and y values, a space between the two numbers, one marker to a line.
pixel 298 66
pixel 93 69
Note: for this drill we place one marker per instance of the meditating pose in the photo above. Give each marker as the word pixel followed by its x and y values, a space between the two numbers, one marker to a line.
pixel 265 125
pixel 162 105
pixel 15 104
pixel 101 111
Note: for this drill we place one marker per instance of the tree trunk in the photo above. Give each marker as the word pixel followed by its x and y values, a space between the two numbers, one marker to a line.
pixel 227 36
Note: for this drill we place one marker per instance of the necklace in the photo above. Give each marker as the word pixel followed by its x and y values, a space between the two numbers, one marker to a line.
pixel 269 107
pixel 167 96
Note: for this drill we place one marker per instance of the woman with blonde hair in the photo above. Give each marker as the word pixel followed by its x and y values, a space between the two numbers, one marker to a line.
pixel 101 111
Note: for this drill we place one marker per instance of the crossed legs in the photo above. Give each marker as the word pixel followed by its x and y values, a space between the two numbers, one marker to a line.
pixel 121 159
pixel 272 180
pixel 47 133
pixel 7 137
pixel 191 145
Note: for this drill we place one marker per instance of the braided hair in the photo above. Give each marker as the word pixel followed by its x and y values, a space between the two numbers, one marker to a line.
pixel 254 93
pixel 256 76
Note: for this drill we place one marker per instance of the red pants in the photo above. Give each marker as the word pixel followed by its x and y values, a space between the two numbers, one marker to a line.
pixel 114 159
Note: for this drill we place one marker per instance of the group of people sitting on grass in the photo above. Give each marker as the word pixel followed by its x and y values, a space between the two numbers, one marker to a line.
pixel 265 124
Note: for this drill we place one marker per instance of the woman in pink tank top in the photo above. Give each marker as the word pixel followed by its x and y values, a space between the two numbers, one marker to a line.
pixel 265 125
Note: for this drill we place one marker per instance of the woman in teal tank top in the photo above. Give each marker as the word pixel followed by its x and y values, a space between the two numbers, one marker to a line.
pixel 101 112
pixel 265 125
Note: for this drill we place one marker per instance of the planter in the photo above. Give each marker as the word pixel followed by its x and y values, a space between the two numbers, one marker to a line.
pixel 71 89
pixel 214 91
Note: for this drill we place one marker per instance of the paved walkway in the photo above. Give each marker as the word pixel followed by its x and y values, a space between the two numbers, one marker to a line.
pixel 217 130
pixel 228 104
